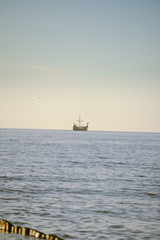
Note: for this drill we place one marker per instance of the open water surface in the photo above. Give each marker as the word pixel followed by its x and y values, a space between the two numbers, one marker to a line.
pixel 81 185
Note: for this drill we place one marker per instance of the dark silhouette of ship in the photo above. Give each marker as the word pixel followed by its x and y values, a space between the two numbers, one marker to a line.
pixel 80 127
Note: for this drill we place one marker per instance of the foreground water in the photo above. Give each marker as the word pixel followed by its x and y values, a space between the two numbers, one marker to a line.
pixel 81 185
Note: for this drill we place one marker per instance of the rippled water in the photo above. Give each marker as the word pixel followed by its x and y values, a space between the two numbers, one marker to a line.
pixel 81 185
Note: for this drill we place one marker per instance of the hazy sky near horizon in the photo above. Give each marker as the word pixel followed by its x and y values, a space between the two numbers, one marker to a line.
pixel 96 58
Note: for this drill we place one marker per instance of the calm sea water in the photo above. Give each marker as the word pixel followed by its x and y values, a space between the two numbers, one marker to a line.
pixel 81 185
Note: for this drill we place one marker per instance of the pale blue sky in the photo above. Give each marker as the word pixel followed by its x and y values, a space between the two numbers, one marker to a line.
pixel 96 58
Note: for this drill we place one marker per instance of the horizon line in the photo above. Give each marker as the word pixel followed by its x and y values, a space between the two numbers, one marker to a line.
pixel 52 129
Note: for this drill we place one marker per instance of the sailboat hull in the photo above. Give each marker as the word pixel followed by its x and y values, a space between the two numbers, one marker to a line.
pixel 80 128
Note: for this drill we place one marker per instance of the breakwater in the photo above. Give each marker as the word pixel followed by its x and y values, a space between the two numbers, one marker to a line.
pixel 8 227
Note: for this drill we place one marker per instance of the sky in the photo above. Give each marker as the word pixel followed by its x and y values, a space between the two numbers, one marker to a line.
pixel 99 59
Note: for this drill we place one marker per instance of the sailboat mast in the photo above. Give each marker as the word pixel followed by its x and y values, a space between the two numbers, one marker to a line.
pixel 79 121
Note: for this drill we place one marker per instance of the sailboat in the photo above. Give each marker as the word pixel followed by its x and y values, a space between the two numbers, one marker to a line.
pixel 79 127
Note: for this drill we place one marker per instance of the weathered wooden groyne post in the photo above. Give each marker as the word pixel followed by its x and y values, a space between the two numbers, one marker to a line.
pixel 8 227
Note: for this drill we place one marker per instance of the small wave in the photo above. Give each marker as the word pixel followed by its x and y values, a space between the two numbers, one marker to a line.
pixel 142 176
pixel 117 226
pixel 151 194
pixel 65 236
pixel 102 211
pixel 11 178
pixel 9 190
pixel 9 198
pixel 129 180
pixel 104 157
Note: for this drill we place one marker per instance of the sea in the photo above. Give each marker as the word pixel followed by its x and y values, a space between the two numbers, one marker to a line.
pixel 81 185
